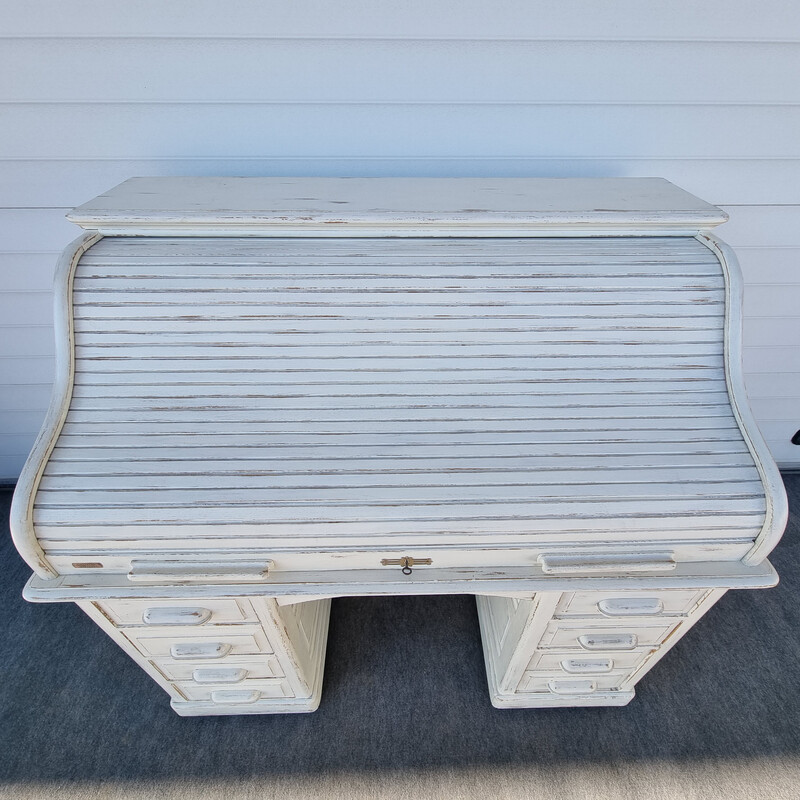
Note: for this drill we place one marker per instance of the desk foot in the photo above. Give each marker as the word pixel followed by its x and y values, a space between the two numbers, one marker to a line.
pixel 532 700
pixel 293 705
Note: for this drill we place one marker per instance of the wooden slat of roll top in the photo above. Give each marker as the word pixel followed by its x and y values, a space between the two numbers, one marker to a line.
pixel 157 276
pixel 270 266
pixel 475 391
pixel 408 382
pixel 220 399
pixel 555 330
pixel 539 517
pixel 129 409
pixel 459 286
pixel 198 413
pixel 730 528
pixel 97 342
pixel 491 504
pixel 385 445
pixel 440 458
pixel 690 476
pixel 87 303
pixel 441 489
pixel 374 331
pixel 435 370
pixel 365 431
pixel 561 314
pixel 251 355
pixel 132 463
pixel 546 392
pixel 359 529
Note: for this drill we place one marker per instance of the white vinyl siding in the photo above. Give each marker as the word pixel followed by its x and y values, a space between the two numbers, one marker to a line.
pixel 704 95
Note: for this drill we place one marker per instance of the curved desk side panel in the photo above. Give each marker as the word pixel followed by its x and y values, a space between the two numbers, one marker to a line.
pixel 775 493
pixel 21 519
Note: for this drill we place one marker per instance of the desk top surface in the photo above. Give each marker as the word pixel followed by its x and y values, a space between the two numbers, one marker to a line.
pixel 322 204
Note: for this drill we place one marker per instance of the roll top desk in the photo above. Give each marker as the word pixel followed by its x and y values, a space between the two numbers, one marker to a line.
pixel 273 392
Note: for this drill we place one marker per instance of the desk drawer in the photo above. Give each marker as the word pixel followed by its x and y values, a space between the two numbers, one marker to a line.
pixel 199 644
pixel 616 604
pixel 570 685
pixel 191 613
pixel 568 662
pixel 263 666
pixel 244 692
pixel 613 637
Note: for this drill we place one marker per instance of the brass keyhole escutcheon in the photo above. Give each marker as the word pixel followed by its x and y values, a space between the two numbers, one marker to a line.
pixel 405 563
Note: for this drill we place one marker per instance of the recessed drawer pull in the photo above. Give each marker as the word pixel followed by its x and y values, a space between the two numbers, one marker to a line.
pixel 219 675
pixel 237 697
pixel 566 564
pixel 200 650
pixel 166 571
pixel 572 687
pixel 584 665
pixel 631 607
pixel 608 641
pixel 176 616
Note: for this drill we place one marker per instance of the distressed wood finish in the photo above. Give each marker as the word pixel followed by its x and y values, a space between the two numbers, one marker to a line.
pixel 390 447
pixel 526 390
pixel 394 206
pixel 582 649
pixel 257 659
pixel 21 521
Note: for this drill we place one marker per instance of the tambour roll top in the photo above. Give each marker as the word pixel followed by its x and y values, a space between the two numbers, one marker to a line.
pixel 495 396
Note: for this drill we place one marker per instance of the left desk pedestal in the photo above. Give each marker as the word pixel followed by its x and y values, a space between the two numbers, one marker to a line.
pixel 226 655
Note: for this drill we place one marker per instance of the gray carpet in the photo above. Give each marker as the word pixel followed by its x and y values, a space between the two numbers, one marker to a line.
pixel 405 712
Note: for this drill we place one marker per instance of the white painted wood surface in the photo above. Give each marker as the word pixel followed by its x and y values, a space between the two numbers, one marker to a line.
pixel 242 420
pixel 557 650
pixel 290 586
pixel 22 511
pixel 448 90
pixel 393 207
pixel 269 660
pixel 578 351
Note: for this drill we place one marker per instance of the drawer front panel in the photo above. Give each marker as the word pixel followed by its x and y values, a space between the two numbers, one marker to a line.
pixel 198 644
pixel 629 604
pixel 219 611
pixel 265 666
pixel 570 685
pixel 569 662
pixel 610 638
pixel 248 691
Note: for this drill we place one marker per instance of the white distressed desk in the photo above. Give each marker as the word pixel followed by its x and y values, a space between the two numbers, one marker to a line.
pixel 272 392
